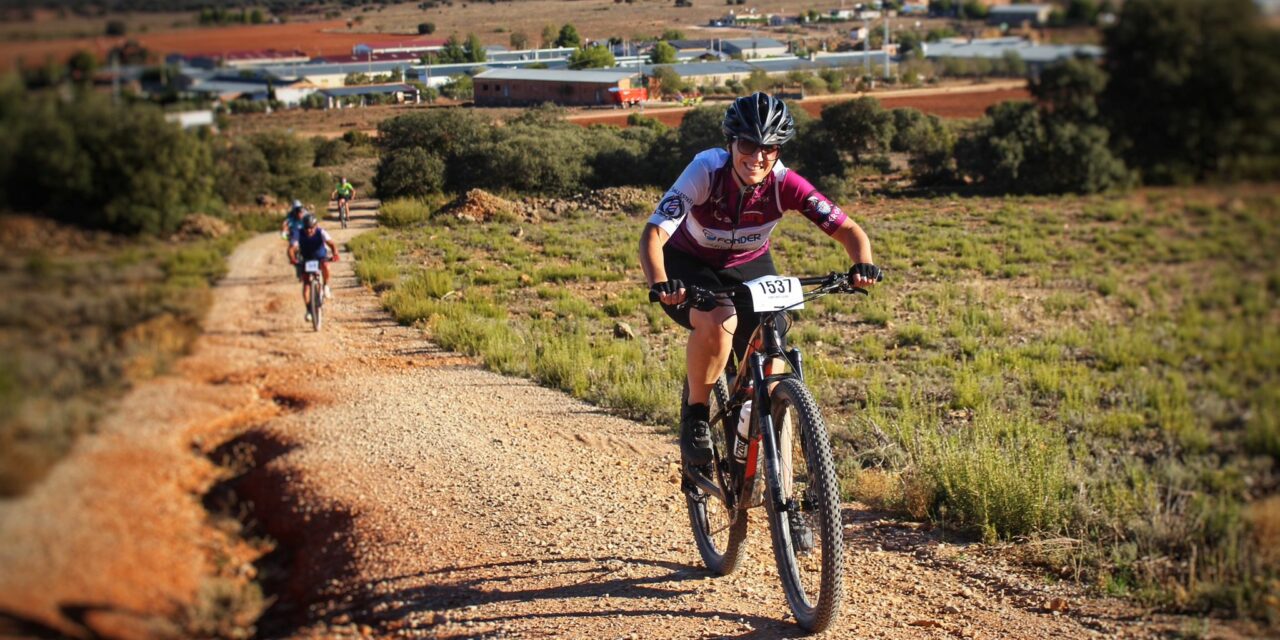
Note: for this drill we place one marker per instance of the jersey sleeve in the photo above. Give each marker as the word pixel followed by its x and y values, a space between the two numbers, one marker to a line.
pixel 693 187
pixel 798 194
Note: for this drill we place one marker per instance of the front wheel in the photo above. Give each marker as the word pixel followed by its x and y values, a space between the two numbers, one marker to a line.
pixel 317 295
pixel 718 531
pixel 808 542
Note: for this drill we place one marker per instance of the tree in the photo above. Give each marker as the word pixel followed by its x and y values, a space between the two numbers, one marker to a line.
pixel 568 37
pixel 459 87
pixel 593 57
pixel 758 81
pixel 700 130
pixel 474 50
pixel 663 53
pixel 1200 89
pixel 668 81
pixel 81 66
pixel 1070 89
pixel 1082 12
pixel 116 28
pixel 256 16
pixel 409 173
pixel 974 9
pixel 671 34
pixel 549 35
pixel 426 28
pixel 519 40
pixel 452 52
pixel 860 127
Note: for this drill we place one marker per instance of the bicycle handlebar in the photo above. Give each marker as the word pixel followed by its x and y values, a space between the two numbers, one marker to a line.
pixel 835 282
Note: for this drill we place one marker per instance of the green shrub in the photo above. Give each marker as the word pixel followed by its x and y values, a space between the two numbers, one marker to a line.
pixel 403 212
pixel 409 173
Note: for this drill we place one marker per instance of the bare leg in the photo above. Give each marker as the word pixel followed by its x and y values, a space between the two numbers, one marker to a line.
pixel 710 345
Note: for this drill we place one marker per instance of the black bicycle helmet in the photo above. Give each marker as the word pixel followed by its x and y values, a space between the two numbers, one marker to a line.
pixel 310 220
pixel 759 118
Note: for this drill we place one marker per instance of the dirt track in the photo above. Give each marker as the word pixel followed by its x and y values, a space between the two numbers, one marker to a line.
pixel 414 494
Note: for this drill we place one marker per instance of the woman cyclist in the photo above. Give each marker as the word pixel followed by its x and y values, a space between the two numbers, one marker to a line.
pixel 711 229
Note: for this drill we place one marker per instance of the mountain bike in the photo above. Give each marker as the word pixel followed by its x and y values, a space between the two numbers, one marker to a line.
pixel 343 211
pixel 315 302
pixel 786 442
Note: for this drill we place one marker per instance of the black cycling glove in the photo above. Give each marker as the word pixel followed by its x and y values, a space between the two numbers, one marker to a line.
pixel 866 271
pixel 664 287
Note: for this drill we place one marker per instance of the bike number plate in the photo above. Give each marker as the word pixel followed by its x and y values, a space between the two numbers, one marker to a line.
pixel 312 266
pixel 772 293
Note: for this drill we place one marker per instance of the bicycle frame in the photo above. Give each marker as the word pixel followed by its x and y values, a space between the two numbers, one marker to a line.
pixel 765 348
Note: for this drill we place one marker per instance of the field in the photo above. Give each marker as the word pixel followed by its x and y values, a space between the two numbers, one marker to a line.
pixel 492 22
pixel 1093 376
pixel 329 37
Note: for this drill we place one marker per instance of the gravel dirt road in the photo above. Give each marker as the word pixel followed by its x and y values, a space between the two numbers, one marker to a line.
pixel 413 494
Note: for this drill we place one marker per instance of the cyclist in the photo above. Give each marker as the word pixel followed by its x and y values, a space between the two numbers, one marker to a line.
pixel 292 224
pixel 711 229
pixel 313 243
pixel 343 194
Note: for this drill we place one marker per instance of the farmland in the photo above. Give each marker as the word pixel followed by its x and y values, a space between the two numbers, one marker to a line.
pixel 1094 372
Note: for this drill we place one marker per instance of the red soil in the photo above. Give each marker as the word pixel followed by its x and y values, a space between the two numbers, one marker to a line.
pixel 315 38
pixel 964 103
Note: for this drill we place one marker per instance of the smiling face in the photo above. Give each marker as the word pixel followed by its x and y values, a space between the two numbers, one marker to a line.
pixel 752 163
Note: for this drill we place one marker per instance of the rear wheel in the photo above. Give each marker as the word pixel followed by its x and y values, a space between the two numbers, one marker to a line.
pixel 718 531
pixel 808 542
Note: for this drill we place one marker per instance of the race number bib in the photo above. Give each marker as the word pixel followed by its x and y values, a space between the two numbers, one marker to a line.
pixel 772 293
pixel 312 266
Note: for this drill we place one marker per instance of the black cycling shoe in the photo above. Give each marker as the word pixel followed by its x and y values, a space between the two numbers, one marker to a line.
pixel 695 436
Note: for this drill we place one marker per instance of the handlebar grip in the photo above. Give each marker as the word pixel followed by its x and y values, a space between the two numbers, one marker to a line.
pixel 653 296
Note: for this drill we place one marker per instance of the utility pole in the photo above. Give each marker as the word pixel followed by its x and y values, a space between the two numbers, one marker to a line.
pixel 885 46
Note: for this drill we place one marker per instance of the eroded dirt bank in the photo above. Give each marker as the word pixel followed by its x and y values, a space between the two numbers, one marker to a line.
pixel 411 493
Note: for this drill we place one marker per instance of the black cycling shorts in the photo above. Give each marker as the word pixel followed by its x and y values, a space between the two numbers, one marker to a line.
pixel 690 270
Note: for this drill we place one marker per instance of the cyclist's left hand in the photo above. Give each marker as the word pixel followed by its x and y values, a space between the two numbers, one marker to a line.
pixel 335 257
pixel 864 274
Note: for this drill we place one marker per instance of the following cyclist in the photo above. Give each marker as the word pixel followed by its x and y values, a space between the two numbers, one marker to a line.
pixel 343 194
pixel 292 225
pixel 711 229
pixel 313 243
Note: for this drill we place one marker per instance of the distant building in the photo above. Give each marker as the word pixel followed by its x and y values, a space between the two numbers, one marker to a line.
pixel 360 96
pixel 1015 15
pixel 238 59
pixel 519 87
pixel 335 75
pixel 398 44
pixel 1036 56
pixel 754 47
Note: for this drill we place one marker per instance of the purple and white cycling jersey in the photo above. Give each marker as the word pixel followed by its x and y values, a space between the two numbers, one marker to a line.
pixel 711 218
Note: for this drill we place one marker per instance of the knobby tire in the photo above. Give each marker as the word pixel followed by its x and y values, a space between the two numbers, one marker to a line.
pixel 818 503
pixel 720 542
pixel 317 290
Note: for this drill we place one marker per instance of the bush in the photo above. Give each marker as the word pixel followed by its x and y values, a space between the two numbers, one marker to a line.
pixel 862 128
pixel 425 28
pixel 95 164
pixel 329 151
pixel 409 173
pixel 1016 148
pixel 403 212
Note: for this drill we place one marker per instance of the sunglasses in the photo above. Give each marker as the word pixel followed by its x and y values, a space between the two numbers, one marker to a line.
pixel 750 149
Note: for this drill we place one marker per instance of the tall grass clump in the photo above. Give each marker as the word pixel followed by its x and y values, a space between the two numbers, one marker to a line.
pixel 404 212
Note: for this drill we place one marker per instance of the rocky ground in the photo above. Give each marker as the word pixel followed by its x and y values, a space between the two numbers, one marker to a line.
pixel 406 492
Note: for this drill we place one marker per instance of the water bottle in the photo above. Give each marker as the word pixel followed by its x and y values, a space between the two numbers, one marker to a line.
pixel 744 428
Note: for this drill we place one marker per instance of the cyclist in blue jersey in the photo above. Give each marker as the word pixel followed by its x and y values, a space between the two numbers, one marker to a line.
pixel 292 224
pixel 313 243
pixel 712 229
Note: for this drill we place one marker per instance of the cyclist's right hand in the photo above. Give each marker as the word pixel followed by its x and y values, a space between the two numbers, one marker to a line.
pixel 670 292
